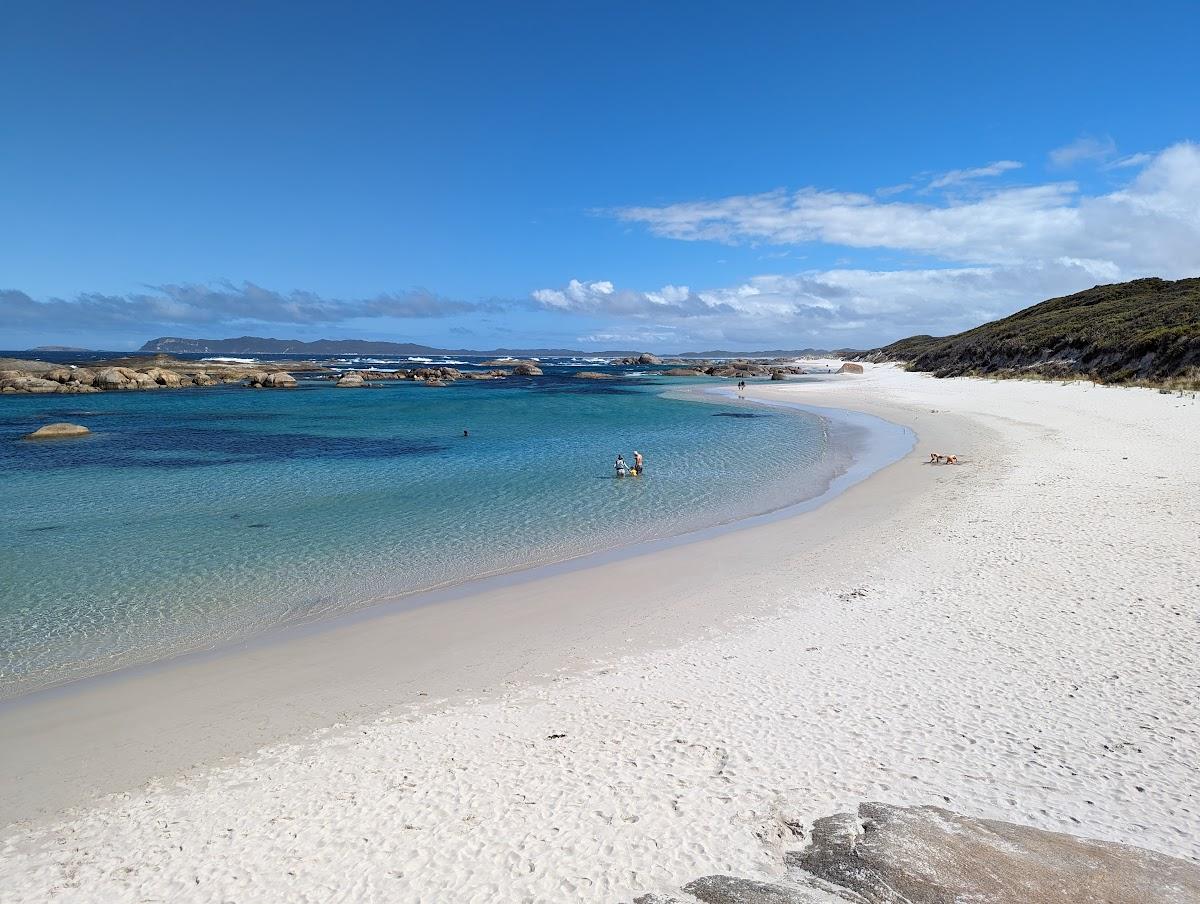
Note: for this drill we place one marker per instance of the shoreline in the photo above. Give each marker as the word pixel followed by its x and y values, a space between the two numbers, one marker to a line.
pixel 1013 638
pixel 61 717
pixel 869 442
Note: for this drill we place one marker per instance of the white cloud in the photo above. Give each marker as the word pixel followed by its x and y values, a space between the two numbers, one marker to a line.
pixel 1083 148
pixel 1004 250
pixel 1130 160
pixel 834 308
pixel 955 177
pixel 1150 225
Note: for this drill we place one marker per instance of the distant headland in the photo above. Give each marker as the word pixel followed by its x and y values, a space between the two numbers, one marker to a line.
pixel 259 345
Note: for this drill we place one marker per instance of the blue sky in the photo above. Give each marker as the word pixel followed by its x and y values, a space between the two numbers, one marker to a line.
pixel 653 175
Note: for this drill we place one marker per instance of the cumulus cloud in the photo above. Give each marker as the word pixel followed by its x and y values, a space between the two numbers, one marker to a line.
pixel 1150 225
pixel 955 177
pixel 830 308
pixel 226 305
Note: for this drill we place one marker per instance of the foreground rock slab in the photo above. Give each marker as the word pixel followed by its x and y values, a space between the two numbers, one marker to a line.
pixel 56 431
pixel 735 890
pixel 927 855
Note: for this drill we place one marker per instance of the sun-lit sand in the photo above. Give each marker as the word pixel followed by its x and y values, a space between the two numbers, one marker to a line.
pixel 1016 637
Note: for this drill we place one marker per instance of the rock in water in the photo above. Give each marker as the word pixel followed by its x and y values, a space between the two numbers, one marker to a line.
pixel 23 383
pixel 279 379
pixel 594 375
pixel 527 369
pixel 351 380
pixel 927 855
pixel 55 431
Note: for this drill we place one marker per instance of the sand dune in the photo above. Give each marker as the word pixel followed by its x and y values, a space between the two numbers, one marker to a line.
pixel 1015 637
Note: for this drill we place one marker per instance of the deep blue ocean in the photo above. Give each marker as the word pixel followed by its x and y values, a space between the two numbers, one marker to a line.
pixel 193 518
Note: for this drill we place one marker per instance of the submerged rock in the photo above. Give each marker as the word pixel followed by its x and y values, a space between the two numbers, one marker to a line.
pixel 927 855
pixel 594 375
pixel 56 431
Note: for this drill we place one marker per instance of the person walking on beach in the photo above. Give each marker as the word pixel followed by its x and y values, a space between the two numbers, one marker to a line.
pixel 639 464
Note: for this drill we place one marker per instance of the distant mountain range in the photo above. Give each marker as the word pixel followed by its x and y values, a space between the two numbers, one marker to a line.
pixel 258 345
pixel 1146 330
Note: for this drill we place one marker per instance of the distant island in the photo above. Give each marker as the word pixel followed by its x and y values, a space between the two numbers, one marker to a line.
pixel 1146 330
pixel 259 345
pixel 58 348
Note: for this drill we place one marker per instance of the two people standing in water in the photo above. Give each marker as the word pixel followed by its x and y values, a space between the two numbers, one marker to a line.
pixel 623 469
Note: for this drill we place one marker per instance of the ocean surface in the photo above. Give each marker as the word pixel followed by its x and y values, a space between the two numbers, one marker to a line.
pixel 195 518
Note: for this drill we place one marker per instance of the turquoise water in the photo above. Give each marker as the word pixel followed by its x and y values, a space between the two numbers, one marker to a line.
pixel 198 517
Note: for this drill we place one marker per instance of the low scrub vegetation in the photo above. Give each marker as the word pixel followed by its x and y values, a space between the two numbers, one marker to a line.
pixel 1142 332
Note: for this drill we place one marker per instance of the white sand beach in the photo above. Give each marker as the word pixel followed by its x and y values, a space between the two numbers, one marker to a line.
pixel 1016 637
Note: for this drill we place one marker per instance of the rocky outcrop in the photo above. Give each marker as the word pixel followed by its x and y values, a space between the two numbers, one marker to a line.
pixel 682 372
pixel 526 369
pixel 56 431
pixel 278 379
pixel 10 381
pixel 735 890
pixel 849 367
pixel 743 369
pixel 927 855
pixel 594 375
pixel 17 382
pixel 351 380
pixel 484 375
pixel 123 378
pixel 644 358
pixel 885 854
pixel 59 375
pixel 165 377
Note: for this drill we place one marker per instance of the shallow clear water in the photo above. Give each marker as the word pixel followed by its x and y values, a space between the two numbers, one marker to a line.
pixel 196 517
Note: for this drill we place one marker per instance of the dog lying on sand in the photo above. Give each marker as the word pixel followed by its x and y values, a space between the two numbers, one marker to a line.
pixel 937 458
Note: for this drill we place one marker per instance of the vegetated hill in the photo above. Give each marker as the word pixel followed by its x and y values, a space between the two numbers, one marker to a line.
pixel 1147 330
